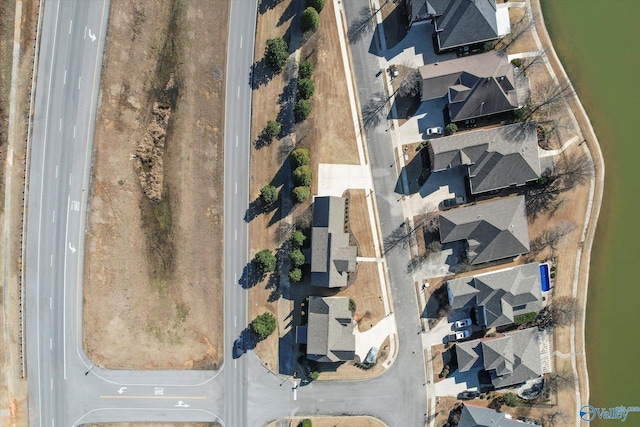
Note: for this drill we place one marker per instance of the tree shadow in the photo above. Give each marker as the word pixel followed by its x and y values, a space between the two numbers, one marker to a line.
pixel 361 26
pixel 266 5
pixel 262 73
pixel 257 208
pixel 289 12
pixel 286 101
pixel 416 172
pixel 251 276
pixel 396 25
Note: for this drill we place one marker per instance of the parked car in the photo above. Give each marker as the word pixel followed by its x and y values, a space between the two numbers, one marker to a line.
pixel 459 335
pixel 452 203
pixel 238 347
pixel 462 323
pixel 469 394
pixel 437 130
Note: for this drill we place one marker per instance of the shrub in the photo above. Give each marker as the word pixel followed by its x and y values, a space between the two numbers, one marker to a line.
pixel 272 129
pixel 517 62
pixel 450 129
pixel 268 194
pixel 314 375
pixel 300 157
pixel 310 20
pixel 511 400
pixel 352 306
pixel 276 53
pixel 295 275
pixel 305 70
pixel 305 88
pixel 264 325
pixel 298 238
pixel 302 176
pixel 300 194
pixel 301 110
pixel 297 257
pixel 265 260
pixel 318 5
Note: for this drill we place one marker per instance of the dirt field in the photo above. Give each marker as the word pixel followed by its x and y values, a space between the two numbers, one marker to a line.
pixel 336 421
pixel 153 271
pixel 155 425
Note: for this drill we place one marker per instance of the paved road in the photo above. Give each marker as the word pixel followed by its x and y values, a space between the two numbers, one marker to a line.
pixel 65 389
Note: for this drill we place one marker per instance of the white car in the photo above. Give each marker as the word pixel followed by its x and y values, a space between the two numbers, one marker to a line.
pixel 460 335
pixel 434 131
pixel 462 323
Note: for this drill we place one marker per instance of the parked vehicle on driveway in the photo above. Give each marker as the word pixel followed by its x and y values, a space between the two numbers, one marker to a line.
pixel 462 323
pixel 437 130
pixel 459 335
pixel 452 202
pixel 469 394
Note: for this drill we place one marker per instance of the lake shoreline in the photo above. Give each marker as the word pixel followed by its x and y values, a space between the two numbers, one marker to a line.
pixel 583 261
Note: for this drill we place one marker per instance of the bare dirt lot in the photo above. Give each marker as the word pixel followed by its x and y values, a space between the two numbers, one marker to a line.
pixel 337 421
pixel 155 425
pixel 153 271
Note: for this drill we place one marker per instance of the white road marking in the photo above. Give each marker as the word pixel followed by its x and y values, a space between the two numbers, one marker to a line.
pixel 50 343
pixel 53 220
pixel 238 91
pixel 51 380
pixel 79 81
pixel 60 124
pixel 51 302
pixel 85 33
pixel 70 25
pixel 240 42
pixel 235 233
pixel 235 321
pixel 295 393
pixel 64 80
pixel 74 132
pixel 235 277
pixel 56 171
pixel 69 180
pixel 51 262
pixel 236 141
pixel 64 295
pixel 236 187
pixel 235 363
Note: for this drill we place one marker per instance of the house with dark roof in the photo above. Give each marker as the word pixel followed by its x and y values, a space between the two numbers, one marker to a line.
pixel 476 416
pixel 494 159
pixel 332 258
pixel 475 86
pixel 492 231
pixel 459 23
pixel 498 296
pixel 329 333
pixel 510 359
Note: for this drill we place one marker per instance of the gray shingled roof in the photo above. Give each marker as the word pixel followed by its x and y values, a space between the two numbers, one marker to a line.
pixel 495 158
pixel 494 230
pixel 499 295
pixel 464 22
pixel 476 85
pixel 476 416
pixel 331 256
pixel 511 359
pixel 330 330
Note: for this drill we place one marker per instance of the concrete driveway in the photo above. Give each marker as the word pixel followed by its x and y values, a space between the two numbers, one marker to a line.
pixel 458 382
pixel 439 186
pixel 429 114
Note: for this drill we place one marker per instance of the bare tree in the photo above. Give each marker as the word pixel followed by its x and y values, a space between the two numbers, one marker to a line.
pixel 409 83
pixel 374 110
pixel 574 169
pixel 564 310
pixel 548 97
pixel 551 237
pixel 532 61
pixel 518 29
pixel 362 25
pixel 399 237
pixel 563 379
pixel 557 417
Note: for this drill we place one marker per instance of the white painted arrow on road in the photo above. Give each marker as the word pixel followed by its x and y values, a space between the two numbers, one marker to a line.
pixel 71 248
pixel 181 404
pixel 93 36
pixel 121 390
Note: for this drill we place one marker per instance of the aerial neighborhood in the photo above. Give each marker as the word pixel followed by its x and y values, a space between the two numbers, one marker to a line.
pixel 371 208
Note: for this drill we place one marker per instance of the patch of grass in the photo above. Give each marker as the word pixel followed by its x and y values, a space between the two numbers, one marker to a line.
pixel 162 212
pixel 160 285
pixel 182 309
pixel 524 318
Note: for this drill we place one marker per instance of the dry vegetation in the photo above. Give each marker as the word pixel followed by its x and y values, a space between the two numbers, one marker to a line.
pixel 153 274
pixel 335 421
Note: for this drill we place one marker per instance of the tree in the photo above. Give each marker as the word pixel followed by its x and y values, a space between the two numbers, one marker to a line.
pixel 272 129
pixel 265 260
pixel 548 97
pixel 551 418
pixel 305 88
pixel 264 325
pixel 300 157
pixel 302 176
pixel 310 20
pixel 301 110
pixel 564 310
pixel 410 84
pixel 550 237
pixel 298 238
pixel 295 275
pixel 268 194
pixel 300 193
pixel 511 400
pixel 318 5
pixel 562 379
pixel 297 257
pixel 450 129
pixel 276 53
pixel 305 70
